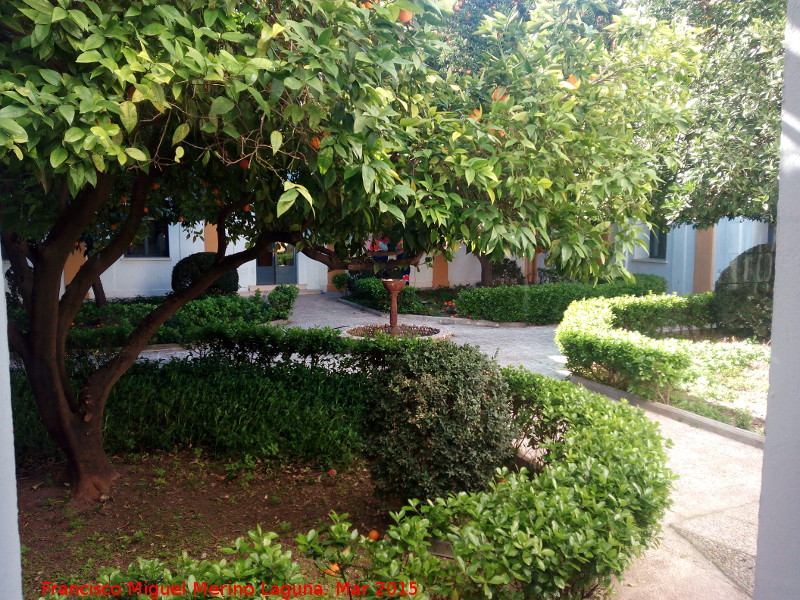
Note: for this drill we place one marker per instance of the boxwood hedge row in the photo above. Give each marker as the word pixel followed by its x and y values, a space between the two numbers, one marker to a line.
pixel 606 339
pixel 544 304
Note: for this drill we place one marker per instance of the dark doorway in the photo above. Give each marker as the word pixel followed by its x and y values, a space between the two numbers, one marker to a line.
pixel 277 265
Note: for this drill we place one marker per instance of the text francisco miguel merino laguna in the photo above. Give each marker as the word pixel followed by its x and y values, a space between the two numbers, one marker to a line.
pixel 156 591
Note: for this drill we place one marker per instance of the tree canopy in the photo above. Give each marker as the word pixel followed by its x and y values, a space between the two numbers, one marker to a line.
pixel 729 155
pixel 317 124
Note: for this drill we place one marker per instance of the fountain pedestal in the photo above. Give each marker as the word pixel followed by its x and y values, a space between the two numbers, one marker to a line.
pixel 393 286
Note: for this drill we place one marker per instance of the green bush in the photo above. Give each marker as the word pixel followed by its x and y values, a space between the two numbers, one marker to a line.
pixel 561 531
pixel 370 292
pixel 439 417
pixel 286 411
pixel 282 300
pixel 189 269
pixel 253 560
pixel 592 338
pixel 340 281
pixel 743 293
pixel 545 303
pixel 109 326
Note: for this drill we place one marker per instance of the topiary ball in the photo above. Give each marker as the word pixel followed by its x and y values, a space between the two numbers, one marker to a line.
pixel 189 269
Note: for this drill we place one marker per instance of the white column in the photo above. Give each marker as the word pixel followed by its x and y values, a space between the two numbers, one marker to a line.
pixel 10 570
pixel 778 560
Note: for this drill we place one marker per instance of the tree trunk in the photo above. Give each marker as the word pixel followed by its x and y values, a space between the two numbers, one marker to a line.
pixel 77 429
pixel 99 293
pixel 487 275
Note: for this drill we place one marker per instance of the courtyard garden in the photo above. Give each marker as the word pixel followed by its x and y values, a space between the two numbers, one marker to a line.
pixel 366 136
pixel 204 461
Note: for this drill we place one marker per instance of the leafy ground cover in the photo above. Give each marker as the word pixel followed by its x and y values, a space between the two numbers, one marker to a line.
pixel 732 381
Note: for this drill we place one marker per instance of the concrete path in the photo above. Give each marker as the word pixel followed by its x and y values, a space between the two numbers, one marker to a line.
pixel 708 546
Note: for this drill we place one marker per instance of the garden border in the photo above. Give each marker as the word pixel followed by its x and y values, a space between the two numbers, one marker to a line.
pixel 444 320
pixel 684 416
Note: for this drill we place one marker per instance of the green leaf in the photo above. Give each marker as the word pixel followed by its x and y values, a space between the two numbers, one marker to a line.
pixel 292 83
pixel 545 183
pixel 58 156
pixel 13 112
pixel 93 41
pixel 89 57
pixel 74 134
pixel 81 20
pixel 181 131
pixel 136 154
pixel 129 116
pixel 18 134
pixel 68 112
pixel 368 176
pixel 220 106
pixel 276 140
pixel 395 210
pixel 325 159
pixel 286 200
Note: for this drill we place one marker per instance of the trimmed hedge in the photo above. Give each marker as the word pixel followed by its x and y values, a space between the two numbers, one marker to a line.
pixel 562 530
pixel 110 326
pixel 288 411
pixel 602 340
pixel 545 303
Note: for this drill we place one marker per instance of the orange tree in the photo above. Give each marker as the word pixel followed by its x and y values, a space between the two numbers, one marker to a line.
pixel 310 123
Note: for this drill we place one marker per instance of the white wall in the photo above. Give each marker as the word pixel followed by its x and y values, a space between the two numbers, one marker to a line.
pixel 734 236
pixel 10 566
pixel 464 268
pixel 677 268
pixel 150 276
pixel 312 273
pixel 778 556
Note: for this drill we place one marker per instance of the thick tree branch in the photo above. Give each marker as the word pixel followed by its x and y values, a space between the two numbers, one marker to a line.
pixel 334 261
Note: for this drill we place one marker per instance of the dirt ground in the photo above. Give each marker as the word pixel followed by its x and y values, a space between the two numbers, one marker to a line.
pixel 164 504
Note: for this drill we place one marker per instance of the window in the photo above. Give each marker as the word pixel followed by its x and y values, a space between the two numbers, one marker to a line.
pixel 155 243
pixel 658 243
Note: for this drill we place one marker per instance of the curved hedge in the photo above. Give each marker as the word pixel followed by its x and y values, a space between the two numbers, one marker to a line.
pixel 592 504
pixel 602 339
pixel 545 303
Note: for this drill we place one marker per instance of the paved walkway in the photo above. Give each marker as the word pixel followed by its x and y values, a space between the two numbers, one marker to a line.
pixel 708 547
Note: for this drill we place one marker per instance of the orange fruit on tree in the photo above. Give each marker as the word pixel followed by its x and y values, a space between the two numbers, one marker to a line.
pixel 405 16
pixel 155 186
pixel 476 114
pixel 332 569
pixel 244 164
pixel 247 208
pixel 113 227
pixel 147 210
pixel 374 535
pixel 367 5
pixel 315 142
pixel 180 219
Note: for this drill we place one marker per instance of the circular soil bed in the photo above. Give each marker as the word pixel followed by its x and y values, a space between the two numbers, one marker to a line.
pixel 368 331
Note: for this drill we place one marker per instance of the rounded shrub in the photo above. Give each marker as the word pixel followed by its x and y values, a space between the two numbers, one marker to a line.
pixel 440 419
pixel 560 528
pixel 340 281
pixel 370 291
pixel 189 269
pixel 743 293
